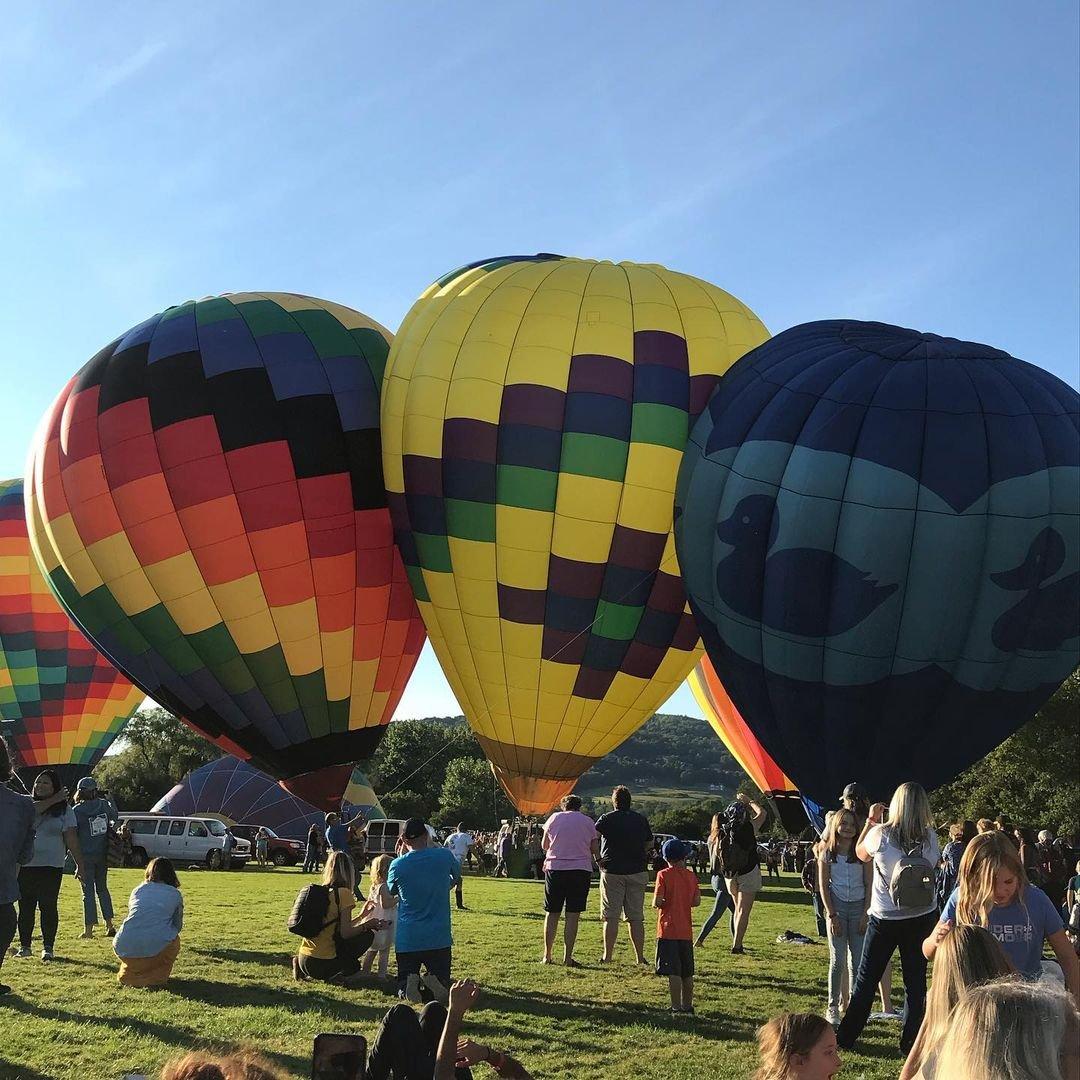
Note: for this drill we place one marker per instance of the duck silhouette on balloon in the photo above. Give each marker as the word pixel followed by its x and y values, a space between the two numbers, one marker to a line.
pixel 816 593
pixel 1047 615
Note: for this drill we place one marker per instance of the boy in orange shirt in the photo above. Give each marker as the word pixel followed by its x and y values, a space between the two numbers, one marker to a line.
pixel 675 894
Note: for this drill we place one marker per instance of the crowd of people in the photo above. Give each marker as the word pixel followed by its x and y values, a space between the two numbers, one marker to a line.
pixel 984 909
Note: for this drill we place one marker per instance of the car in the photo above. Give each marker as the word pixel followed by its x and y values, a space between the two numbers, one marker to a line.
pixel 280 850
pixel 183 840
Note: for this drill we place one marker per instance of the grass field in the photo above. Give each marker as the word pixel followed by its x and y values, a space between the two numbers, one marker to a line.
pixel 232 985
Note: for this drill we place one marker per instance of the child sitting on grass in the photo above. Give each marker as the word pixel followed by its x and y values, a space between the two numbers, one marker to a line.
pixel 385 908
pixel 675 894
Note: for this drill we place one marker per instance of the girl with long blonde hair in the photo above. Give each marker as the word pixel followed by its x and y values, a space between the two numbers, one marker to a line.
pixel 844 884
pixel 797 1046
pixel 1010 1030
pixel 969 956
pixel 891 838
pixel 383 906
pixel 335 951
pixel 993 891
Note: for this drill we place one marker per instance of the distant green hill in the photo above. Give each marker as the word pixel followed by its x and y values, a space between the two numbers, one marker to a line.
pixel 669 757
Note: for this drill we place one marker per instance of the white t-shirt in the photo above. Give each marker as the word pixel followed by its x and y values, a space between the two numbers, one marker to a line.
pixel 886 855
pixel 459 844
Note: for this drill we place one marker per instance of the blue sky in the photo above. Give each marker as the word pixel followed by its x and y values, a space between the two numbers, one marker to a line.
pixel 911 163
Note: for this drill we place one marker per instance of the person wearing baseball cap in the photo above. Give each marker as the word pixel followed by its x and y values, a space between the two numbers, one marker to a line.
pixel 855 798
pixel 95 816
pixel 421 877
pixel 675 895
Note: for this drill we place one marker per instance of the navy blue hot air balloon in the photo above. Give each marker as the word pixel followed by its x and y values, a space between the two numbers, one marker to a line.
pixel 879 532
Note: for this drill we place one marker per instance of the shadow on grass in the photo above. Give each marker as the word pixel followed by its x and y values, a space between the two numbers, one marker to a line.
pixel 20 1072
pixel 745 983
pixel 248 956
pixel 173 1036
pixel 717 1025
pixel 74 961
pixel 261 995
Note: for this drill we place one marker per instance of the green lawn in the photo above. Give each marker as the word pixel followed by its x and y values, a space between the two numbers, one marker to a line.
pixel 232 985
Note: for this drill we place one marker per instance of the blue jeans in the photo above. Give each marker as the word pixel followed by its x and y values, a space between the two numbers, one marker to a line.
pixel 722 903
pixel 845 948
pixel 95 879
pixel 883 938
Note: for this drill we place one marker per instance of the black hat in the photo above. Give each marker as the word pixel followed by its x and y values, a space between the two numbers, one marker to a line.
pixel 414 827
pixel 854 791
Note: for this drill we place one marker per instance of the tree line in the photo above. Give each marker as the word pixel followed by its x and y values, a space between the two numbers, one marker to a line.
pixel 435 768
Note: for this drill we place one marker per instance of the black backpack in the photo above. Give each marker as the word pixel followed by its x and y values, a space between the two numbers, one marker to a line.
pixel 308 917
pixel 736 852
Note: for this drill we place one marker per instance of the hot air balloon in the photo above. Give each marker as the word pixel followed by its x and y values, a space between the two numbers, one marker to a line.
pixel 879 531
pixel 61 702
pixel 719 710
pixel 206 496
pixel 237 792
pixel 534 415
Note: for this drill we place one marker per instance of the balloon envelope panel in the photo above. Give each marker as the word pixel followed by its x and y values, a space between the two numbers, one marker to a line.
pixel 360 795
pixel 534 415
pixel 726 721
pixel 236 790
pixel 207 498
pixel 880 537
pixel 61 702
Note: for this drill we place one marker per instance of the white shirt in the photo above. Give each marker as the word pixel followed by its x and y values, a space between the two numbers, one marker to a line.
pixel 459 844
pixel 878 842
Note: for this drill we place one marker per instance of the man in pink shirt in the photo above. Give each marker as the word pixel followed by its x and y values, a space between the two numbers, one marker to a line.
pixel 571 844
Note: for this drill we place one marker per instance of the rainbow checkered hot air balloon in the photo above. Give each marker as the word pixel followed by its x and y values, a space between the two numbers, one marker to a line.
pixel 207 498
pixel 61 702
pixel 534 416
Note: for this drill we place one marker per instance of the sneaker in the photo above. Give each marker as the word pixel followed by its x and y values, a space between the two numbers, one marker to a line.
pixel 412 990
pixel 46 955
pixel 832 1016
pixel 439 991
pixel 4 989
pixel 21 953
pixel 111 932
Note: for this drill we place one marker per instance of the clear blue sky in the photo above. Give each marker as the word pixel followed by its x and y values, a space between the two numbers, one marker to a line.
pixel 910 163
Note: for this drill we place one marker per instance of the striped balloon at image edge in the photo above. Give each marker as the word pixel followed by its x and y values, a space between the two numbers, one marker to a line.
pixel 61 702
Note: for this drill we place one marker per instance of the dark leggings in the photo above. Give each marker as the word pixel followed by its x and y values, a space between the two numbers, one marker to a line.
pixel 39 887
pixel 405 1045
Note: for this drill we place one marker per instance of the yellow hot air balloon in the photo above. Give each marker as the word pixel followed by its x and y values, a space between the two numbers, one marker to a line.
pixel 534 415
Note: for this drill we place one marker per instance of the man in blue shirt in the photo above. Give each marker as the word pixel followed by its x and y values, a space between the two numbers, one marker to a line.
pixel 421 878
pixel 339 837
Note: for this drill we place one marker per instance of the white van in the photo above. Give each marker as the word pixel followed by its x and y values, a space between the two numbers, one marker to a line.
pixel 183 840
pixel 382 837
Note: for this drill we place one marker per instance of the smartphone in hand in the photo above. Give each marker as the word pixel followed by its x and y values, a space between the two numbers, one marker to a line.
pixel 339 1057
